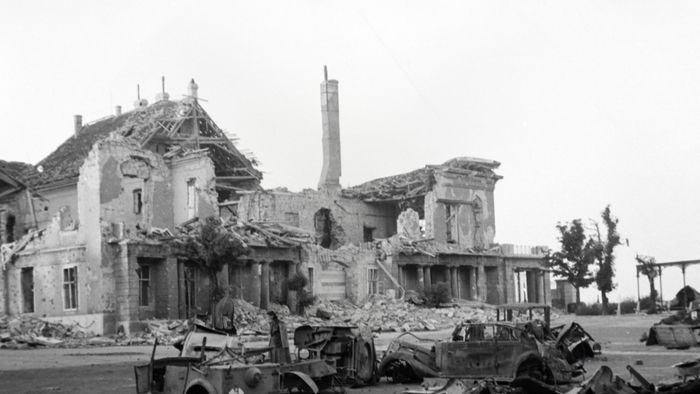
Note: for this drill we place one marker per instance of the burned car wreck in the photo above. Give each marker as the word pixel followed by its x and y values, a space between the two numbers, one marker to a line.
pixel 502 351
pixel 211 362
pixel 603 381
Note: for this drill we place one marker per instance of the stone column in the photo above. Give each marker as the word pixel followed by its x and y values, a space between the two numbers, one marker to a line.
pixel 421 279
pixel 427 277
pixel 473 279
pixel 456 290
pixel 448 271
pixel 481 282
pixel 530 284
pixel 170 266
pixel 256 274
pixel 264 284
pixel 539 280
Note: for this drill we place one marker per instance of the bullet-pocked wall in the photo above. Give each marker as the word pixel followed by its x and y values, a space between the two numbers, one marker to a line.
pixel 47 278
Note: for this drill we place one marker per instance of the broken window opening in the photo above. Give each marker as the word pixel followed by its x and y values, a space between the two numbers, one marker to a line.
pixel 138 201
pixel 10 229
pixel 144 273
pixel 191 198
pixel 311 279
pixel 450 215
pixel 70 288
pixel 27 284
pixel 367 234
pixel 328 233
pixel 190 273
pixel 373 281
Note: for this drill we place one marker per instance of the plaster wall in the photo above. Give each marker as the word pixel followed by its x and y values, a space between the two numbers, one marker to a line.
pixel 48 265
pixel 298 209
pixel 200 168
pixel 472 202
pixel 52 201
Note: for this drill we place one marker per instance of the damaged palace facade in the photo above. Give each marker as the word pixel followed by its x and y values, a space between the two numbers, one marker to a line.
pixel 86 234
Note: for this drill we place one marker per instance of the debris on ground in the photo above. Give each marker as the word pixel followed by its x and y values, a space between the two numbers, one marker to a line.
pixel 678 331
pixel 378 314
pixel 386 314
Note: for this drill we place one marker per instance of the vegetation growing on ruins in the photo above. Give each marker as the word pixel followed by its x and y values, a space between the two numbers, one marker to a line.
pixel 210 247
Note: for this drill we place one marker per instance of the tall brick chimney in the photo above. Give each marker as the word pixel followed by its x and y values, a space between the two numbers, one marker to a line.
pixel 330 173
pixel 77 123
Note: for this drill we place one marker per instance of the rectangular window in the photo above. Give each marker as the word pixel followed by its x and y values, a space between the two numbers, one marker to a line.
pixel 367 234
pixel 191 198
pixel 450 221
pixel 138 202
pixel 70 288
pixel 144 273
pixel 373 280
pixel 190 293
pixel 27 283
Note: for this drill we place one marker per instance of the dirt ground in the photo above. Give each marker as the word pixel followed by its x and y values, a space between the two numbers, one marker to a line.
pixel 110 369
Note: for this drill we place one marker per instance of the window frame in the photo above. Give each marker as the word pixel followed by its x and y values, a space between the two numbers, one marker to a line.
pixel 192 198
pixel 451 231
pixel 144 280
pixel 372 280
pixel 67 286
pixel 190 286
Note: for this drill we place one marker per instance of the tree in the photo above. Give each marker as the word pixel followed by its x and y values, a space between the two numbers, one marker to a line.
pixel 647 266
pixel 576 255
pixel 210 246
pixel 604 253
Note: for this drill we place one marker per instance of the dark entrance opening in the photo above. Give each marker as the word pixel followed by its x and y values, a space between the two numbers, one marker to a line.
pixel 27 283
pixel 10 229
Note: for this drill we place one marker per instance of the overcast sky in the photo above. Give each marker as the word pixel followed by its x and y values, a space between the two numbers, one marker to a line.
pixel 584 103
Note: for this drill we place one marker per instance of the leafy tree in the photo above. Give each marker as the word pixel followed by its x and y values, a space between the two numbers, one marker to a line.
pixel 210 246
pixel 577 253
pixel 604 254
pixel 648 268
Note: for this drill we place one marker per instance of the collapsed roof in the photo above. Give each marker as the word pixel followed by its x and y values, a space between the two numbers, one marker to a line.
pixel 12 176
pixel 163 122
pixel 419 182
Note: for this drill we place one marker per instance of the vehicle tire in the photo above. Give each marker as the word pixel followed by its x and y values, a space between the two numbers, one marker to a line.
pixel 366 364
pixel 197 390
pixel 532 368
pixel 399 371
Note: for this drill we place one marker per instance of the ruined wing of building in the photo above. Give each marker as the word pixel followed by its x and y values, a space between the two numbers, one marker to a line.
pixel 85 231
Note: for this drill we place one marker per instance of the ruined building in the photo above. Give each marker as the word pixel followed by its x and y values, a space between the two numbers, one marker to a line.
pixel 85 233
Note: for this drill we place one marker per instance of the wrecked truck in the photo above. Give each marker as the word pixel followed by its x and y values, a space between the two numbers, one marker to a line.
pixel 211 362
pixel 478 350
pixel 350 352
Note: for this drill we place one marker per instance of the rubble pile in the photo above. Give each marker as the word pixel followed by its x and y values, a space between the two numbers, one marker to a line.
pixel 253 233
pixel 379 314
pixel 26 332
pixel 18 333
pixel 386 314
